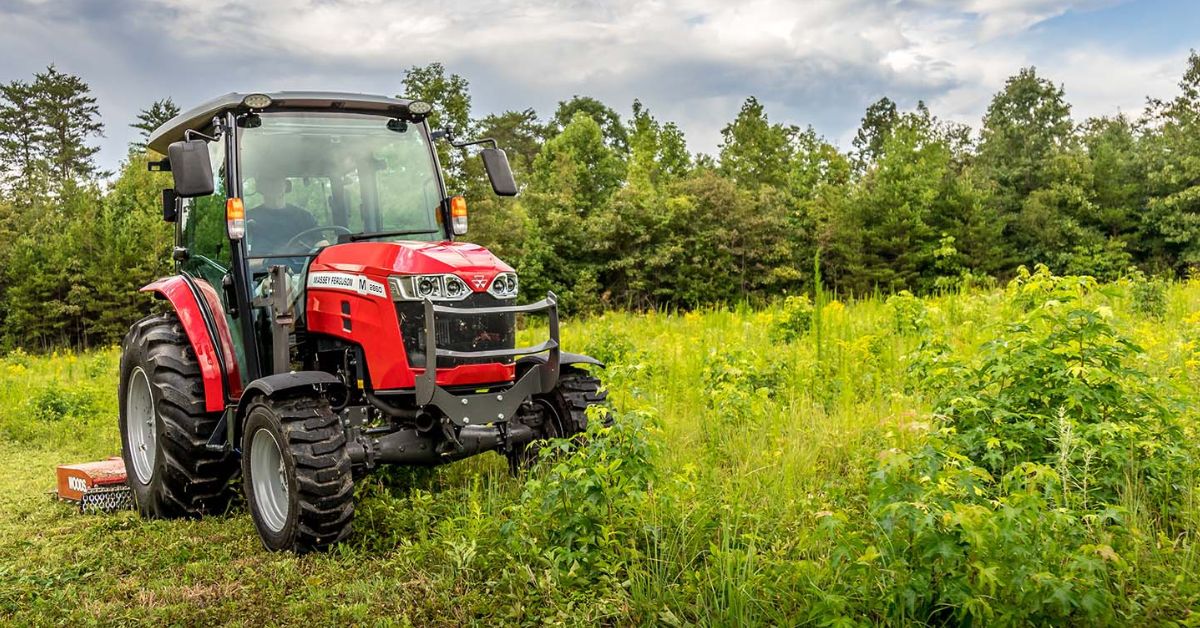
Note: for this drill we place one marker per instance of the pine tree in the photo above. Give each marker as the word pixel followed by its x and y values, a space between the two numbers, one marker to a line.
pixel 877 124
pixel 69 117
pixel 151 118
pixel 21 164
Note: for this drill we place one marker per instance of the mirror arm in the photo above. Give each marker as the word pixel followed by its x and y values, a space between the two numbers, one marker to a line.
pixel 447 135
pixel 486 140
pixel 218 124
pixel 189 134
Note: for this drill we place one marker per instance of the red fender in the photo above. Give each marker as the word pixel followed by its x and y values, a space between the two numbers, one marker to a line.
pixel 176 290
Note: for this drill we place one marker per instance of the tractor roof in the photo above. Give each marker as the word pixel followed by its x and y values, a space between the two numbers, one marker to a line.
pixel 199 117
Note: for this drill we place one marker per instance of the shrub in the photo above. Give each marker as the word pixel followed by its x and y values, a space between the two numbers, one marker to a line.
pixel 579 513
pixel 796 319
pixel 908 313
pixel 956 545
pixel 1029 290
pixel 1021 506
pixel 1062 370
pixel 626 366
pixel 609 346
pixel 737 390
pixel 55 403
pixel 17 357
pixel 394 507
pixel 725 367
pixel 1149 295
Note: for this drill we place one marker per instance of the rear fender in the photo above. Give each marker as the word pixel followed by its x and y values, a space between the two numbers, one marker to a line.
pixel 218 364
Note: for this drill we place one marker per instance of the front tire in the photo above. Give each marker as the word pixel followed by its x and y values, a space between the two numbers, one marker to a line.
pixel 165 428
pixel 297 474
pixel 563 411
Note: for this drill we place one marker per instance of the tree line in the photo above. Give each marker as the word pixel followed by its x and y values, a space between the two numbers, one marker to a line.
pixel 617 212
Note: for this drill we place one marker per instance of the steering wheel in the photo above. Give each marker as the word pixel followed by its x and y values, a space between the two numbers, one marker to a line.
pixel 296 239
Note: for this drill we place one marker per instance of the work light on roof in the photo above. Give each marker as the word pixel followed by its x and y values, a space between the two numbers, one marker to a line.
pixel 257 101
pixel 419 108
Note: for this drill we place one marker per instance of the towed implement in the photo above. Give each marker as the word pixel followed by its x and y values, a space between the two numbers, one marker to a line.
pixel 325 319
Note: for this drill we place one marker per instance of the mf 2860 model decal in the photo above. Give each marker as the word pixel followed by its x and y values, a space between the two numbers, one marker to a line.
pixel 347 281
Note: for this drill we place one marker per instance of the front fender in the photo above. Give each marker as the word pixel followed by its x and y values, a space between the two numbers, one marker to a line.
pixel 282 384
pixel 564 359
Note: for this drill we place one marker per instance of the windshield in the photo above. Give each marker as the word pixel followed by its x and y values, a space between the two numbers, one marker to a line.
pixel 309 177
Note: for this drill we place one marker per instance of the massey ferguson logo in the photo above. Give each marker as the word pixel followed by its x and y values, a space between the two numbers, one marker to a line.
pixel 346 281
pixel 480 281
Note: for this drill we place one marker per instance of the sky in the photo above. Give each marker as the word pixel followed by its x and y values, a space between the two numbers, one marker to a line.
pixel 814 62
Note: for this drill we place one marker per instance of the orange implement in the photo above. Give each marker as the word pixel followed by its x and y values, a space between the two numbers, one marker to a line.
pixel 76 479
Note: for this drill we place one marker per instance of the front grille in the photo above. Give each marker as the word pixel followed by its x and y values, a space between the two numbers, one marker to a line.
pixel 471 332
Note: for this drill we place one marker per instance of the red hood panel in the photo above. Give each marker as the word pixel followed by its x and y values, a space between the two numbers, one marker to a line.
pixel 411 258
pixel 368 318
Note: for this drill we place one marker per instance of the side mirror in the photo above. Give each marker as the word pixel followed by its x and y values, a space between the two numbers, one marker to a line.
pixel 191 168
pixel 169 205
pixel 501 176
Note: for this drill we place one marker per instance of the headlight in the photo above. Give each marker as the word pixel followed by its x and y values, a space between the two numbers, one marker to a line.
pixel 504 286
pixel 433 287
pixel 257 101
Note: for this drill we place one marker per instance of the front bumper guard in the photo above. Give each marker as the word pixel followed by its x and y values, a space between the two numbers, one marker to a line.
pixel 493 407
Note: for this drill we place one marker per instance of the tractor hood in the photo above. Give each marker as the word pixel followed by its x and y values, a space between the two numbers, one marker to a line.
pixel 468 261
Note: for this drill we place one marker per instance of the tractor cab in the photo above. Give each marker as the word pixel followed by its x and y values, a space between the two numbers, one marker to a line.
pixel 325 317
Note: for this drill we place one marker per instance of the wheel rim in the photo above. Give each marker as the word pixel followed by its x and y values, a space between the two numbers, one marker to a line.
pixel 269 479
pixel 140 425
pixel 554 422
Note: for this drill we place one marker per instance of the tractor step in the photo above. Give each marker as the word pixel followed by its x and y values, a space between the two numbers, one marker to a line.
pixel 96 486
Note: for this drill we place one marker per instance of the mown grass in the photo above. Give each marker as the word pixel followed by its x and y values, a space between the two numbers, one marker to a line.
pixel 766 444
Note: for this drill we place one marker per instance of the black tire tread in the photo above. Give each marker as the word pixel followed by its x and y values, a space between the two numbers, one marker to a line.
pixel 324 484
pixel 577 390
pixel 196 481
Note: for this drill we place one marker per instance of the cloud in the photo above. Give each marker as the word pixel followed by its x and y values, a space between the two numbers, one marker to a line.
pixel 819 62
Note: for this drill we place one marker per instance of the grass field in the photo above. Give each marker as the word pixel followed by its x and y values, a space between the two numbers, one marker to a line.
pixel 1015 455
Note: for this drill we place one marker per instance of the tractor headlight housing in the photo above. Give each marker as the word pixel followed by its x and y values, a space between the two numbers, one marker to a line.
pixel 419 109
pixel 432 287
pixel 257 101
pixel 504 286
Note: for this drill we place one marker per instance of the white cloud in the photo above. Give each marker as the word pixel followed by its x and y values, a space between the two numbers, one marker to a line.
pixel 693 61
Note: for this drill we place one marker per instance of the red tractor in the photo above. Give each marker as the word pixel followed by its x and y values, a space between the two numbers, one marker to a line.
pixel 324 320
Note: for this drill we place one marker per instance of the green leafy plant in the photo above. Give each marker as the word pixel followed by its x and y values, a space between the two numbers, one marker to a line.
pixel 55 404
pixel 1148 294
pixel 738 391
pixel 908 313
pixel 1060 368
pixel 578 513
pixel 796 319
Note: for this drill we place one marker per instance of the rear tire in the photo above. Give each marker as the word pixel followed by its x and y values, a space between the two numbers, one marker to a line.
pixel 165 428
pixel 297 475
pixel 564 412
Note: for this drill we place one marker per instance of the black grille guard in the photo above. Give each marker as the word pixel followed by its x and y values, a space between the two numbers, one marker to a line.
pixel 483 408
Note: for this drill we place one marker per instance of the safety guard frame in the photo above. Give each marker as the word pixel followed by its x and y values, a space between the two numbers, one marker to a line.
pixel 489 407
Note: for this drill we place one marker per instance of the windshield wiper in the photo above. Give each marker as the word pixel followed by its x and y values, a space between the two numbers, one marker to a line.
pixel 355 237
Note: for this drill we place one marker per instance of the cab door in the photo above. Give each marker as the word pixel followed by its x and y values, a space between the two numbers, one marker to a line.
pixel 204 252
